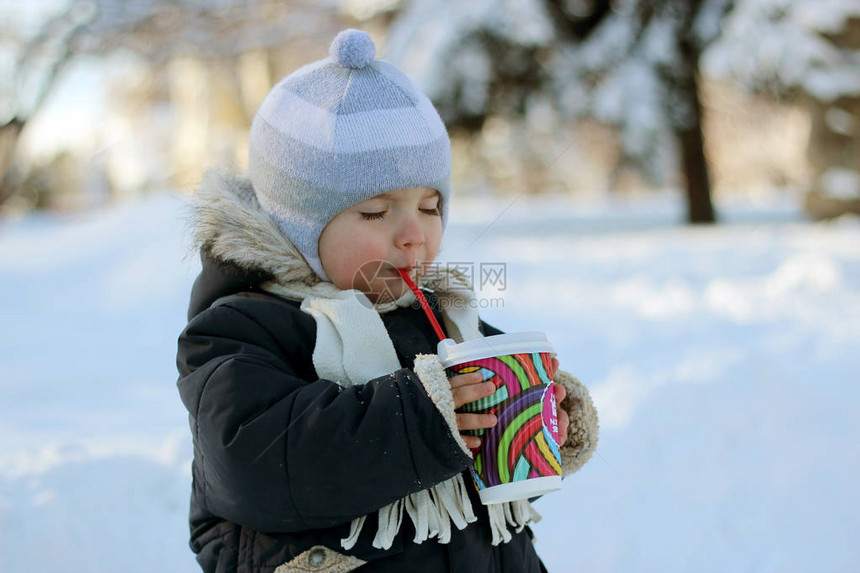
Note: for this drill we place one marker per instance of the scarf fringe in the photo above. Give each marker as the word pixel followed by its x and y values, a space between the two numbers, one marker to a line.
pixel 517 514
pixel 433 510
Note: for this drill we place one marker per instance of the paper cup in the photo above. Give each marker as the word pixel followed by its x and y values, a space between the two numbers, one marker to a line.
pixel 519 457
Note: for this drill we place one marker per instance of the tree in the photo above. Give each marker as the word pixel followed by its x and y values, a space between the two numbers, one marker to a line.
pixel 155 30
pixel 633 65
pixel 688 28
pixel 806 50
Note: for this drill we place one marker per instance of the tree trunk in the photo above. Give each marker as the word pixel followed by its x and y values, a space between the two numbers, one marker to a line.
pixel 9 135
pixel 688 126
pixel 695 165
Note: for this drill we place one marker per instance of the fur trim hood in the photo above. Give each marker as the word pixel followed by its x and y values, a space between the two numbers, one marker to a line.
pixel 229 223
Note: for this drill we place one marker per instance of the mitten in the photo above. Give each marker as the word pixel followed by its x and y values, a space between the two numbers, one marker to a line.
pixel 582 434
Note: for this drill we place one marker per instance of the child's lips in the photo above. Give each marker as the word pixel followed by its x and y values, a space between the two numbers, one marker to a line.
pixel 394 270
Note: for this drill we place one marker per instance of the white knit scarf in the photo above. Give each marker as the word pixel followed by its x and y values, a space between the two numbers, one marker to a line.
pixel 353 347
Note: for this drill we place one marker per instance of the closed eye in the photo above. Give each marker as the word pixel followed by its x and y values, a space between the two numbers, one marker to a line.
pixel 431 207
pixel 373 216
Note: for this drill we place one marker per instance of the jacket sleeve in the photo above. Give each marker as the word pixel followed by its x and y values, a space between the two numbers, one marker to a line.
pixel 277 453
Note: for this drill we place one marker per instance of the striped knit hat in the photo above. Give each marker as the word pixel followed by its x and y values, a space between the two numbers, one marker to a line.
pixel 339 131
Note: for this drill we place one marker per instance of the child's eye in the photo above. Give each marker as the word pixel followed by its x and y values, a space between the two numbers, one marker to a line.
pixel 373 216
pixel 432 211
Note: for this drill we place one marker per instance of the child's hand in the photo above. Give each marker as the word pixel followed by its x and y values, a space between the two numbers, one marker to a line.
pixel 563 418
pixel 468 388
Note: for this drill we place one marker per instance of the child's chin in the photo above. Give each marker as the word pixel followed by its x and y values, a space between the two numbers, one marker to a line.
pixel 383 293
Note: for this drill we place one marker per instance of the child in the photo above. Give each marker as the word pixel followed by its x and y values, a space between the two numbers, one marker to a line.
pixel 324 427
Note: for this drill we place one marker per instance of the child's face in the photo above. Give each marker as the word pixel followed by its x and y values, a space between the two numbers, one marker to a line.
pixel 365 244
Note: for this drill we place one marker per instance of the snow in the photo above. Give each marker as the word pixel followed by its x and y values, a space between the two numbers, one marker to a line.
pixel 723 362
pixel 94 452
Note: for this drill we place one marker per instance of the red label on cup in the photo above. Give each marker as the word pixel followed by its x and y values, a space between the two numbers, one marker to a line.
pixel 550 412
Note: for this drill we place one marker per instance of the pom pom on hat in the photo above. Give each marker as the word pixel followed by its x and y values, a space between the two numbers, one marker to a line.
pixel 352 49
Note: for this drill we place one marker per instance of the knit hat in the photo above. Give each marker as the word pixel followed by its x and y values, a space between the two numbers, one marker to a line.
pixel 340 131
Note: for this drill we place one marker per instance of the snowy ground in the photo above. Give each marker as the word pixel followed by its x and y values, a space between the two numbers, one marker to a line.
pixel 724 363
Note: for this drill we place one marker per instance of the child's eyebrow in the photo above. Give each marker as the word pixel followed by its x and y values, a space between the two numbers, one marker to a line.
pixel 387 195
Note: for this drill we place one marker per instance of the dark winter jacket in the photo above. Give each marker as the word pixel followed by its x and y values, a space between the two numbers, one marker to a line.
pixel 283 461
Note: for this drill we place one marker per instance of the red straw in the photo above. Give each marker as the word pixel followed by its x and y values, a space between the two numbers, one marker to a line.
pixel 423 301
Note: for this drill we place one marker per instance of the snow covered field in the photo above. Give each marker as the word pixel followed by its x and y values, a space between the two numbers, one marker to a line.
pixel 724 363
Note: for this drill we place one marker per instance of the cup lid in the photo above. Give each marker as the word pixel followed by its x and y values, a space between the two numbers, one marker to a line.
pixel 451 353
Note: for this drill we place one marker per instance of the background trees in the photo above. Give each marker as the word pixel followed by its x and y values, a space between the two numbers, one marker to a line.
pixel 808 51
pixel 158 35
pixel 567 85
pixel 633 64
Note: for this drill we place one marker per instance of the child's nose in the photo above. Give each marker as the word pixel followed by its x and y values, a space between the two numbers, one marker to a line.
pixel 410 234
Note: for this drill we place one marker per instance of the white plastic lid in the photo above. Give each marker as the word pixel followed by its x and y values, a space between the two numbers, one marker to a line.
pixel 451 353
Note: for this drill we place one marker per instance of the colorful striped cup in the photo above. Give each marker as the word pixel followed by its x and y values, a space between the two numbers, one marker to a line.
pixel 519 457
